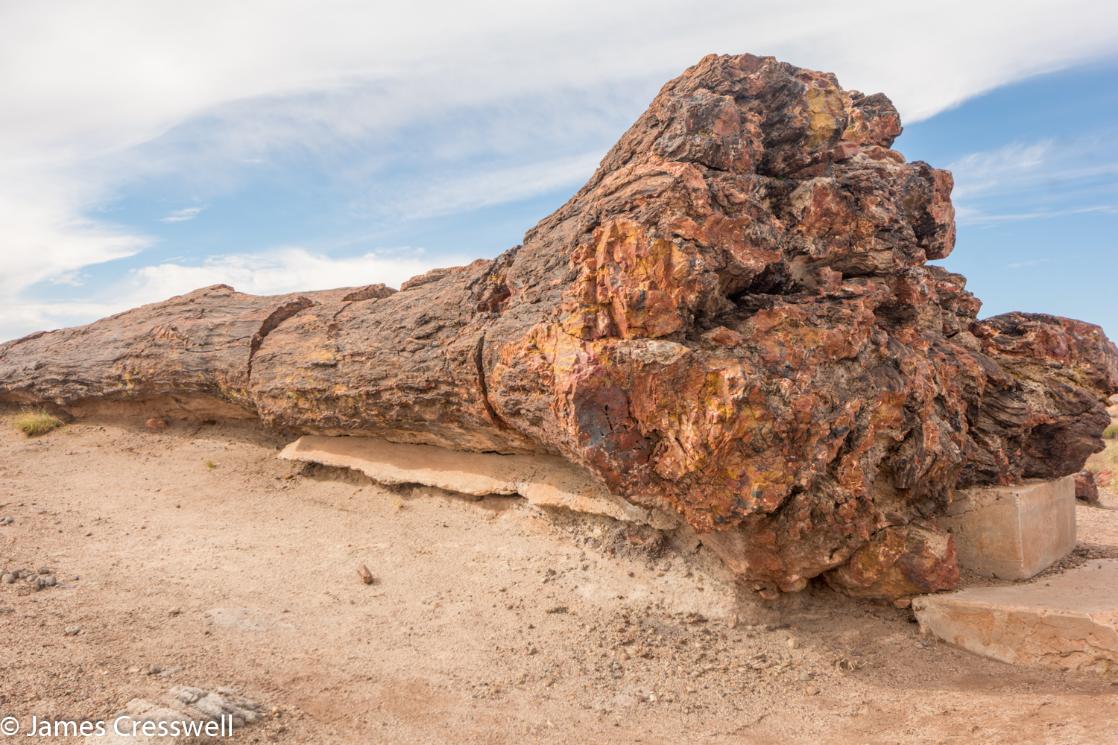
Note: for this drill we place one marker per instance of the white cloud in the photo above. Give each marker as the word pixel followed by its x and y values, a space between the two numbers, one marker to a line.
pixel 1038 180
pixel 289 269
pixel 989 170
pixel 26 317
pixel 979 217
pixel 489 187
pixel 86 85
pixel 44 232
pixel 182 215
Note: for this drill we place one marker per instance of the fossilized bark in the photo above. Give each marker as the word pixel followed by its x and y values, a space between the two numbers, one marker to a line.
pixel 733 319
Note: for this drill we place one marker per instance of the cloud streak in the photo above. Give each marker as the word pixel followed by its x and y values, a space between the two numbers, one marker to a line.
pixel 182 215
pixel 100 97
pixel 1040 180
pixel 282 270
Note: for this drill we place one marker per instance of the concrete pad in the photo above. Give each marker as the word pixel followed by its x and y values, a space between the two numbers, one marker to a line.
pixel 544 480
pixel 1013 532
pixel 1067 621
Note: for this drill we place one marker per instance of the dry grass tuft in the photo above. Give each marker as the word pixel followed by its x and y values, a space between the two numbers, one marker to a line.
pixel 1111 432
pixel 35 423
pixel 1105 464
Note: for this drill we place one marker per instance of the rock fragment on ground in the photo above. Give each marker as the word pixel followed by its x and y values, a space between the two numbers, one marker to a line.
pixel 184 715
pixel 1086 488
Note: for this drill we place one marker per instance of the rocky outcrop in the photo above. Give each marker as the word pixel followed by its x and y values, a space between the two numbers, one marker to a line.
pixel 734 320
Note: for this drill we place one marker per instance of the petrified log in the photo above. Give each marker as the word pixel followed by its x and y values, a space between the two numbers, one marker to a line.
pixel 734 319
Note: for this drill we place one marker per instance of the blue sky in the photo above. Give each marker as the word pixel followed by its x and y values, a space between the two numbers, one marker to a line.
pixel 1036 192
pixel 148 148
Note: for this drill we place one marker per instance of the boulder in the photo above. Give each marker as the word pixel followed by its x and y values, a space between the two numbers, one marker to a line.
pixel 733 320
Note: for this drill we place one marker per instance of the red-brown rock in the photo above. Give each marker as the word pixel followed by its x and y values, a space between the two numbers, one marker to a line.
pixel 733 319
pixel 1086 489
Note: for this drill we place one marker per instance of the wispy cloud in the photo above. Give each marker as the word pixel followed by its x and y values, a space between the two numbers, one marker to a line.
pixel 1000 169
pixel 93 91
pixel 182 215
pixel 464 191
pixel 1041 180
pixel 980 218
pixel 279 271
pixel 273 272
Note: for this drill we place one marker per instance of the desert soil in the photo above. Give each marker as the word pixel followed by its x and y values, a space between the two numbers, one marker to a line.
pixel 194 556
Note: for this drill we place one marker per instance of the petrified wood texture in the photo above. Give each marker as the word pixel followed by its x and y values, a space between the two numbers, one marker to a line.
pixel 733 319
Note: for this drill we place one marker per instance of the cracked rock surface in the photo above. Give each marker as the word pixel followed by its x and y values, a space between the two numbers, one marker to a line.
pixel 733 320
pixel 178 716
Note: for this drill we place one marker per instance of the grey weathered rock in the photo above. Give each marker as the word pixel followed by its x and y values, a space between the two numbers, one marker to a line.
pixel 184 715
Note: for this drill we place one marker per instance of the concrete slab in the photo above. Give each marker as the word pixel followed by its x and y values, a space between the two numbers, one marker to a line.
pixel 1067 620
pixel 544 480
pixel 1013 532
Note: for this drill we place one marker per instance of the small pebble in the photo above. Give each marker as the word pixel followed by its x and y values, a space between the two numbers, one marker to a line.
pixel 8 578
pixel 72 630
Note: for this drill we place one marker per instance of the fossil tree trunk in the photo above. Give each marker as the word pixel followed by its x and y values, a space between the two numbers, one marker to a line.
pixel 734 319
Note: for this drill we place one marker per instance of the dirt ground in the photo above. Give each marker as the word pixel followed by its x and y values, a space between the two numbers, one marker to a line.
pixel 194 556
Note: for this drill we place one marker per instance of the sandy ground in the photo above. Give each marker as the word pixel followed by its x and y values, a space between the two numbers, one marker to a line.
pixel 193 556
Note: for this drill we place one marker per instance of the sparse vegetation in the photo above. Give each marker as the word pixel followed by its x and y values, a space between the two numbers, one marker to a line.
pixel 211 465
pixel 1105 464
pixel 35 423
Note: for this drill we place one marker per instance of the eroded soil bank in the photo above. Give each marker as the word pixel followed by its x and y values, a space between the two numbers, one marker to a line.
pixel 193 556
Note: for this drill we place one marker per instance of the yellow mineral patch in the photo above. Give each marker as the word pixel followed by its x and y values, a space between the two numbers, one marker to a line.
pixel 824 106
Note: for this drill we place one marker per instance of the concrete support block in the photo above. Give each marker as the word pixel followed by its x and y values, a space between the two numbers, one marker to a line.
pixel 1067 621
pixel 1013 532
